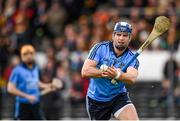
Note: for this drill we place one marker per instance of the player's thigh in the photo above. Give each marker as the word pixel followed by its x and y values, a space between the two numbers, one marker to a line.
pixel 37 113
pixel 24 112
pixel 128 112
pixel 97 110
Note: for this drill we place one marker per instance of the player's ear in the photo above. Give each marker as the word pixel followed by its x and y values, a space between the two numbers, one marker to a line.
pixel 113 34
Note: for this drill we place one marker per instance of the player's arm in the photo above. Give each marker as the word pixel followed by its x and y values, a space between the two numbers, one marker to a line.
pixel 45 85
pixel 129 76
pixel 12 87
pixel 89 69
pixel 13 90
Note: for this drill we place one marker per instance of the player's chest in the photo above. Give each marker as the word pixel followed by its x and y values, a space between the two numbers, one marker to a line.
pixel 28 76
pixel 112 60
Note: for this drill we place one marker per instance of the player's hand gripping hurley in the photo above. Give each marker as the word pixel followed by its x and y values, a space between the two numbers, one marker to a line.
pixel 56 84
pixel 161 25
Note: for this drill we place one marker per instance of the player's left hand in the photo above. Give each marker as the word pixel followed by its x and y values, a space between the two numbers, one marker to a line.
pixel 111 72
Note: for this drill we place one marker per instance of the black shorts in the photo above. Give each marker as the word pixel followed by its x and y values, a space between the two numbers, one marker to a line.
pixel 102 110
pixel 29 112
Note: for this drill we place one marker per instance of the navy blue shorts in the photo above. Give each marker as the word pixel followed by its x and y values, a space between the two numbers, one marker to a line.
pixel 29 112
pixel 102 110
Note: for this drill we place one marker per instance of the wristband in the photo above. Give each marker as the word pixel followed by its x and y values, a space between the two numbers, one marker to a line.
pixel 117 75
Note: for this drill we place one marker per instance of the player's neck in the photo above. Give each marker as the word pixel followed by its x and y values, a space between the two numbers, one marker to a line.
pixel 118 52
pixel 29 65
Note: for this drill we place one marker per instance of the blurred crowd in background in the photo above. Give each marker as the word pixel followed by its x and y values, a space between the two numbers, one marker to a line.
pixel 62 32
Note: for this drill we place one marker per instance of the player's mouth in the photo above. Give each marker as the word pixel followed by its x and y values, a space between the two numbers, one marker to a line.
pixel 121 43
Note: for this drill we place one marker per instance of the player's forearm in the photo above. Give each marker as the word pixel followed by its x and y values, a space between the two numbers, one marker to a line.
pixel 45 85
pixel 128 78
pixel 16 92
pixel 91 72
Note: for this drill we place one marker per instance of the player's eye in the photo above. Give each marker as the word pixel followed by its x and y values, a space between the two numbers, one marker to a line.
pixel 125 35
pixel 119 34
pixel 27 53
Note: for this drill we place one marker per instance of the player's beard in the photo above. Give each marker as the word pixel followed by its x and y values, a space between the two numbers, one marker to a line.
pixel 121 47
pixel 30 62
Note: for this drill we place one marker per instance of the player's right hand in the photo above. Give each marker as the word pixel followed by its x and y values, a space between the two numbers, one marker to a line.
pixel 31 98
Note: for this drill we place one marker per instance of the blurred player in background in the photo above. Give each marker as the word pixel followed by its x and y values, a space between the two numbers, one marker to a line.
pixel 24 84
pixel 103 97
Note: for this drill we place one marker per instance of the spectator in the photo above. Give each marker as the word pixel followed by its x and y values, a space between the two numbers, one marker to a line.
pixel 10 8
pixel 51 112
pixel 58 43
pixel 84 27
pixel 70 37
pixel 77 88
pixel 78 96
pixel 77 57
pixel 170 74
pixel 14 61
pixel 73 9
pixel 56 16
pixel 62 73
pixel 23 23
pixel 4 53
pixel 40 22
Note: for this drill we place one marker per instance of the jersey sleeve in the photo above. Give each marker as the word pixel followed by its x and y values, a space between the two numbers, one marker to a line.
pixel 14 76
pixel 135 64
pixel 95 53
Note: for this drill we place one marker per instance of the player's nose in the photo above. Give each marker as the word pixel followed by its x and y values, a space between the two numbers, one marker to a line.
pixel 121 38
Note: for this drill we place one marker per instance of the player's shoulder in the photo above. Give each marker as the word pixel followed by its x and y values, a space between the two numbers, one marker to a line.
pixel 17 68
pixel 102 44
pixel 105 42
pixel 131 53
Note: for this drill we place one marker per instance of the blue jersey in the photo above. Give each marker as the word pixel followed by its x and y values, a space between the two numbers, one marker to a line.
pixel 26 80
pixel 101 89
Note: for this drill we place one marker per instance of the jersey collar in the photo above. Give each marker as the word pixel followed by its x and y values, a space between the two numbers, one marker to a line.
pixel 25 66
pixel 112 49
